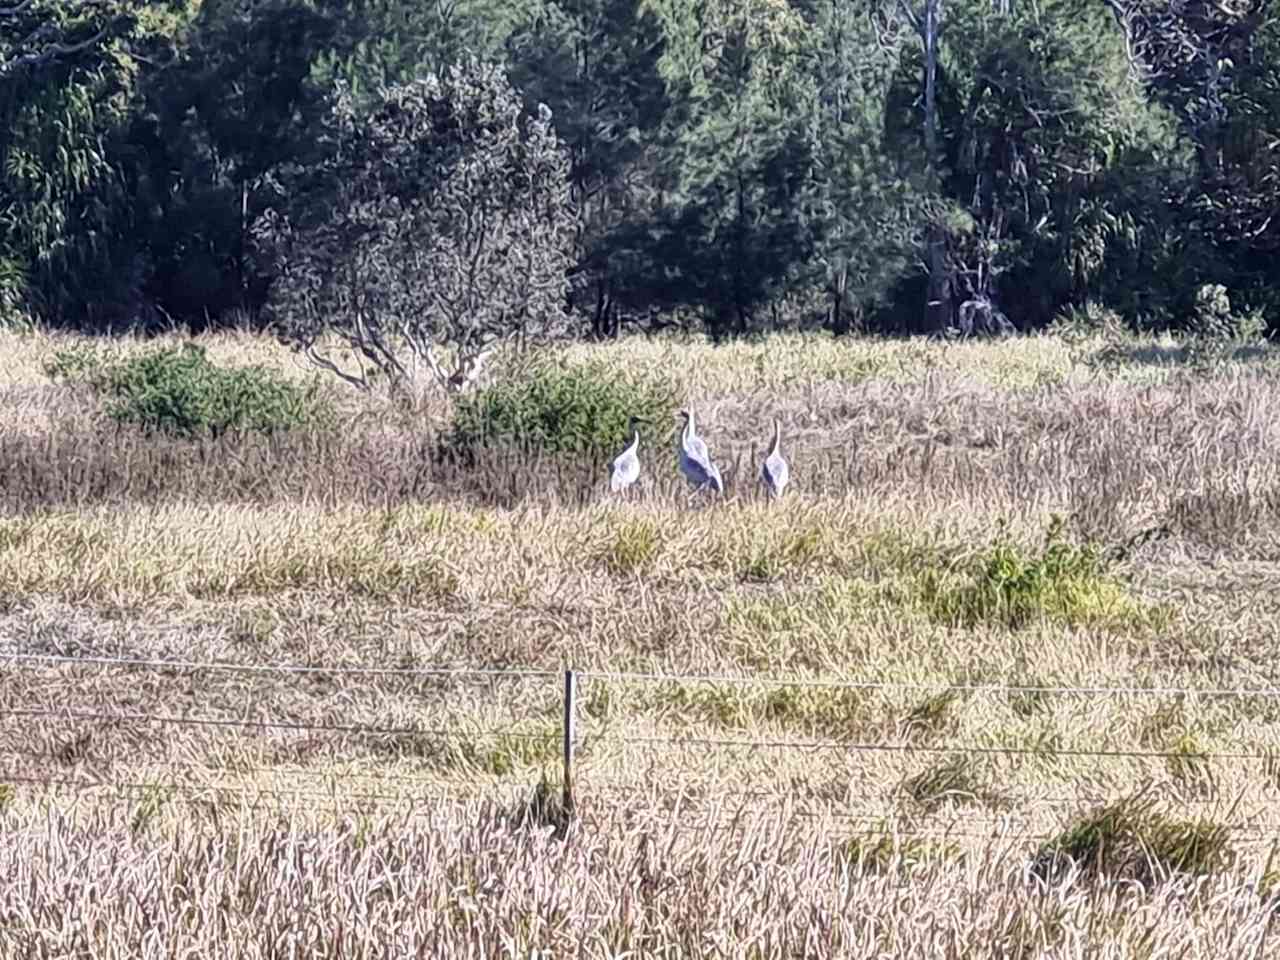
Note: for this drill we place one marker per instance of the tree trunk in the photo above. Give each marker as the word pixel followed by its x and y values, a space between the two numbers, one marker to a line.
pixel 839 320
pixel 937 311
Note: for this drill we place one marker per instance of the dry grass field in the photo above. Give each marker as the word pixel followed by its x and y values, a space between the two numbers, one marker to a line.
pixel 976 687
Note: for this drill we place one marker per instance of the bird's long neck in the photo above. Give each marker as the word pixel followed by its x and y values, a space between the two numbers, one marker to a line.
pixel 688 427
pixel 635 437
pixel 777 438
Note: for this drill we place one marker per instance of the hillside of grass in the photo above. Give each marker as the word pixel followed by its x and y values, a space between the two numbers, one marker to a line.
pixel 986 653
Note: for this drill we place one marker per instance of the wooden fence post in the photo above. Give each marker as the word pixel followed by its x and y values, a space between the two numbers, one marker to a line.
pixel 570 715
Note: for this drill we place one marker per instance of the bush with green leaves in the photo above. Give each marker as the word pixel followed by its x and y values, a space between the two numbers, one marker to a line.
pixel 78 362
pixel 180 391
pixel 580 409
pixel 1216 330
pixel 438 217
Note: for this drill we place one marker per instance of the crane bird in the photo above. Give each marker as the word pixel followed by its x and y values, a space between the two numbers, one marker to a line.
pixel 624 469
pixel 695 461
pixel 774 472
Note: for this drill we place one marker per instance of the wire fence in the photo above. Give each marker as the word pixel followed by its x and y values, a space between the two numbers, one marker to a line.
pixel 201 782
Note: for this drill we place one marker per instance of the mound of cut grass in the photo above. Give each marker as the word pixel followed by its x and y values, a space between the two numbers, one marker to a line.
pixel 1132 840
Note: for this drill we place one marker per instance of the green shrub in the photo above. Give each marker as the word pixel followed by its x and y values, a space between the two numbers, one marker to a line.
pixel 1215 331
pixel 634 547
pixel 77 362
pixel 580 409
pixel 180 391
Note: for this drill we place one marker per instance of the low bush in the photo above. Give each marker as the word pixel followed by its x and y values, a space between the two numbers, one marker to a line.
pixel 180 391
pixel 583 410
pixel 1216 331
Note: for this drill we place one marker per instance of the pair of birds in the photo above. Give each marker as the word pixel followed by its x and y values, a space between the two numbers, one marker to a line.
pixel 695 461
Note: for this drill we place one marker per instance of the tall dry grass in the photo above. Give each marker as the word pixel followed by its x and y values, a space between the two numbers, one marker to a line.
pixel 460 881
pixel 911 552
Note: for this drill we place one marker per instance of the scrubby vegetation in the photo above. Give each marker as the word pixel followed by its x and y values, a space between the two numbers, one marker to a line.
pixel 178 390
pixel 582 409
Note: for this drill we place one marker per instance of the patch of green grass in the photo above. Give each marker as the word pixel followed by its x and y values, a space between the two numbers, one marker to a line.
pixel 1008 586
pixel 725 705
pixel 78 362
pixel 508 752
pixel 884 853
pixel 252 627
pixel 525 746
pixel 1189 766
pixel 817 711
pixel 1029 702
pixel 368 570
pixel 808 710
pixel 1271 769
pixel 932 715
pixel 768 555
pixel 1156 728
pixel 14 532
pixel 1132 840
pixel 8 794
pixel 634 547
pixel 412 521
pixel 155 798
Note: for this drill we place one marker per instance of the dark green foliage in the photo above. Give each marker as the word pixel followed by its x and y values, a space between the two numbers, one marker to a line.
pixel 180 391
pixel 594 63
pixel 69 73
pixel 1033 113
pixel 739 164
pixel 220 124
pixel 446 221
pixel 579 409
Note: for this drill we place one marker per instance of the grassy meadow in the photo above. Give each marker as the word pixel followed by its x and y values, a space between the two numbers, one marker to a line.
pixel 1051 564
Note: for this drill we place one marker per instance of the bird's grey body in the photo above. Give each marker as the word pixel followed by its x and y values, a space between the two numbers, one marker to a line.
pixel 774 472
pixel 695 459
pixel 624 470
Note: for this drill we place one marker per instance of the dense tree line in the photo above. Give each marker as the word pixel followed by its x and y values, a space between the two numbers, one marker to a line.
pixel 896 165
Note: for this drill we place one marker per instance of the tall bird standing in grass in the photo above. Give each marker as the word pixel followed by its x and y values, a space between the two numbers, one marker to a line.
pixel 774 472
pixel 695 461
pixel 624 470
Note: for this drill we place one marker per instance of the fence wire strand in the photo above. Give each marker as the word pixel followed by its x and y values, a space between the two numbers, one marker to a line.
pixel 938 686
pixel 77 716
pixel 836 745
pixel 494 673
